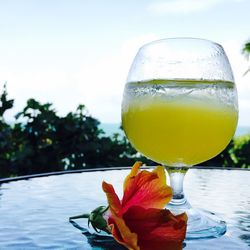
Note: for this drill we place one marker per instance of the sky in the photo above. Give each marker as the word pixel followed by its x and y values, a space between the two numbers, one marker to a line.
pixel 71 52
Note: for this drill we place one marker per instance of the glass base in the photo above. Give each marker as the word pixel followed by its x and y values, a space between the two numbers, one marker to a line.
pixel 201 224
pixel 204 224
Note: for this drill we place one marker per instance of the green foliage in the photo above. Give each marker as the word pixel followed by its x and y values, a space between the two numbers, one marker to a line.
pixel 246 49
pixel 240 152
pixel 41 141
pixel 5 103
pixel 35 151
pixel 5 134
pixel 246 52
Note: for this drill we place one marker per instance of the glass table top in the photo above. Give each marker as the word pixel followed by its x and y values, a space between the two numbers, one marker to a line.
pixel 35 212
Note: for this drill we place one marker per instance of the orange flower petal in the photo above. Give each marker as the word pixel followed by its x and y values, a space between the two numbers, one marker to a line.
pixel 156 227
pixel 160 171
pixel 113 199
pixel 147 189
pixel 122 233
pixel 119 230
pixel 135 169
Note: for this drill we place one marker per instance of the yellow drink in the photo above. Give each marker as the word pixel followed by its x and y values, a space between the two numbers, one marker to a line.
pixel 173 124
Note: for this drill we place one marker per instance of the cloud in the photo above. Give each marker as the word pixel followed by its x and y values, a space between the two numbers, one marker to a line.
pixel 185 6
pixel 96 80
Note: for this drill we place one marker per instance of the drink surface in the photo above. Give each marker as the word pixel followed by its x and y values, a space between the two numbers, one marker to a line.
pixel 179 123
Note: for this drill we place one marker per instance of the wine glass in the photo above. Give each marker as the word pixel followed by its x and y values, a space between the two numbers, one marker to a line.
pixel 180 109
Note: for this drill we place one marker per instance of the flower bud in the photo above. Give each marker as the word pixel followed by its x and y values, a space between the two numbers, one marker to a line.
pixel 97 219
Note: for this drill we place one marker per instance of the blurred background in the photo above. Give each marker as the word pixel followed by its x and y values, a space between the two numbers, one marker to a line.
pixel 70 59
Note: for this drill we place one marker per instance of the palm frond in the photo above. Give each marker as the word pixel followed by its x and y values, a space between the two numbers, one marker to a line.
pixel 246 49
pixel 246 53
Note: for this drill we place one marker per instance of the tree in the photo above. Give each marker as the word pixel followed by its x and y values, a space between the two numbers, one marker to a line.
pixel 240 152
pixel 5 135
pixel 34 137
pixel 246 52
pixel 45 142
pixel 77 139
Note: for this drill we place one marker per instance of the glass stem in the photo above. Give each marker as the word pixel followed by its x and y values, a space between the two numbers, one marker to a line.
pixel 176 175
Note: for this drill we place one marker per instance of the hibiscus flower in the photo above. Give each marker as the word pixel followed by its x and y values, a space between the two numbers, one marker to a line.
pixel 139 221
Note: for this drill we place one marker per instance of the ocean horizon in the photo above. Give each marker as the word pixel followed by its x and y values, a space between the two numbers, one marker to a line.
pixel 112 128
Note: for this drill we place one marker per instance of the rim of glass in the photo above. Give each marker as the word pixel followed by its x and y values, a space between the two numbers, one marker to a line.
pixel 181 38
